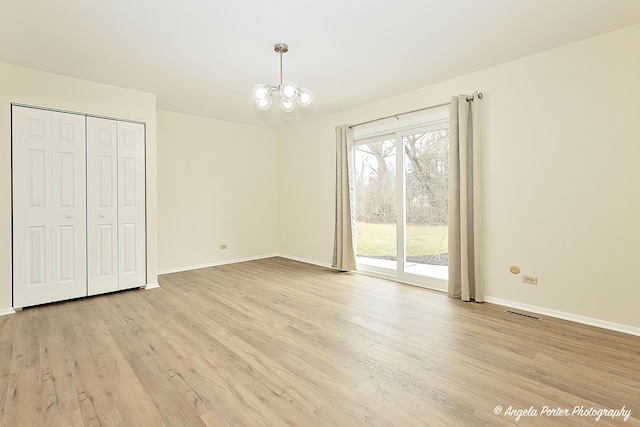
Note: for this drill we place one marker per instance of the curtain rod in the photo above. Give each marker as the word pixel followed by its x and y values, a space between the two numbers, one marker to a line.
pixel 469 98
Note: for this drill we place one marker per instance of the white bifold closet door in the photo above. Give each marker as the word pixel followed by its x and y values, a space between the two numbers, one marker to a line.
pixel 116 241
pixel 49 218
pixel 78 206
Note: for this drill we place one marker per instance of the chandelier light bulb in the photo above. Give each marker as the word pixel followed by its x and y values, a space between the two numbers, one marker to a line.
pixel 264 104
pixel 304 97
pixel 288 91
pixel 287 105
pixel 260 92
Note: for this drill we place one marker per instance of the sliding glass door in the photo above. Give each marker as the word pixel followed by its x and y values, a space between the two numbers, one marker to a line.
pixel 401 202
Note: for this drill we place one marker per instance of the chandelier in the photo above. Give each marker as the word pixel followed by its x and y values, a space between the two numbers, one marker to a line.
pixel 289 92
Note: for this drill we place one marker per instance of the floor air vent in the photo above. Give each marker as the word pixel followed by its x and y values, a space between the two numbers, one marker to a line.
pixel 528 316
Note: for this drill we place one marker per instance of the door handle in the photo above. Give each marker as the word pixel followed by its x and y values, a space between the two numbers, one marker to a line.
pixel 101 215
pixel 69 216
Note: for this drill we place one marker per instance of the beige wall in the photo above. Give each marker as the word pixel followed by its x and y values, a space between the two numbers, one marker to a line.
pixel 561 157
pixel 217 183
pixel 30 87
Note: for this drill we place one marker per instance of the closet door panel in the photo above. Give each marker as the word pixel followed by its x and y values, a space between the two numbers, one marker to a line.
pixel 69 199
pixel 102 208
pixel 49 227
pixel 131 205
pixel 31 167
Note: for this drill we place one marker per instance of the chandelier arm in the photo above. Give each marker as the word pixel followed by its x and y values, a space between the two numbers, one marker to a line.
pixel 280 68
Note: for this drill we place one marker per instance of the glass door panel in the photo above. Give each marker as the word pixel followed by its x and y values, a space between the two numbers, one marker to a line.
pixel 376 213
pixel 426 168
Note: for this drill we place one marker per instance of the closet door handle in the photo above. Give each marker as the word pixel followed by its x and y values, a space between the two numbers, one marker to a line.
pixel 69 216
pixel 101 215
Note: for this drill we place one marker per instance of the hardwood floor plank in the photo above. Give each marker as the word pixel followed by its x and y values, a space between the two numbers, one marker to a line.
pixel 150 358
pixel 245 363
pixel 108 388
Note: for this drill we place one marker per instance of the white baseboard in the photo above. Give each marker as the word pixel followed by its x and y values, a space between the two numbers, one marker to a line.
pixel 234 261
pixel 6 311
pixel 152 286
pixel 307 261
pixel 618 327
pixel 214 264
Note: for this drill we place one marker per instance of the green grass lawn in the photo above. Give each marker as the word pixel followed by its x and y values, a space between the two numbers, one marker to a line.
pixel 380 239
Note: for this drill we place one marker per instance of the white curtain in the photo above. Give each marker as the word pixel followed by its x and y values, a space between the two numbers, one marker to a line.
pixel 465 216
pixel 344 257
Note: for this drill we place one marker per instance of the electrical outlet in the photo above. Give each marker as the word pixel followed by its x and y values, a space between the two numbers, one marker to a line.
pixel 529 280
pixel 223 246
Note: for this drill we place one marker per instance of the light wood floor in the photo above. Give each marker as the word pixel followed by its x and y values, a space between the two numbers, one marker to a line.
pixel 277 342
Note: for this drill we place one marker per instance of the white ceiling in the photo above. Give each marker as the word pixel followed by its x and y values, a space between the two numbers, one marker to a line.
pixel 204 57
